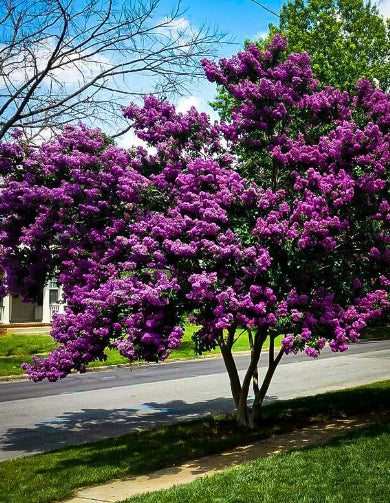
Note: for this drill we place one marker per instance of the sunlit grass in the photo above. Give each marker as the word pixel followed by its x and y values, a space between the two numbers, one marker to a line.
pixel 351 469
pixel 16 349
pixel 25 345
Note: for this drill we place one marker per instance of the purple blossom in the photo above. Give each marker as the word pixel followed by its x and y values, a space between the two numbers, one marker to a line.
pixel 297 240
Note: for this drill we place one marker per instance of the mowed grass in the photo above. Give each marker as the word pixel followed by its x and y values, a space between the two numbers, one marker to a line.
pixel 351 469
pixel 16 349
pixel 52 476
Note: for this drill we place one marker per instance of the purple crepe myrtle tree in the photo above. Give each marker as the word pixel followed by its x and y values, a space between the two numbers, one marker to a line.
pixel 274 223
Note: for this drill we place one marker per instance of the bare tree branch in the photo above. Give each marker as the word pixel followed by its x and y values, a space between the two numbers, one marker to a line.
pixel 60 59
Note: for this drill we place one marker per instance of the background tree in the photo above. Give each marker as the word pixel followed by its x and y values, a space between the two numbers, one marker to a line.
pixel 297 244
pixel 67 60
pixel 346 40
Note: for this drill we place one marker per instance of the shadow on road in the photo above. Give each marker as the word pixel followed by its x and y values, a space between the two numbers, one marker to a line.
pixel 72 428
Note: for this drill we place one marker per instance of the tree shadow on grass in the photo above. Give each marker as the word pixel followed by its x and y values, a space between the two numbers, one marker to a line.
pixel 148 451
pixel 88 425
pixel 301 440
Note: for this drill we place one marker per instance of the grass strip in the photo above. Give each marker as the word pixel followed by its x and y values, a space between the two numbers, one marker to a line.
pixel 16 349
pixel 350 469
pixel 25 345
pixel 54 475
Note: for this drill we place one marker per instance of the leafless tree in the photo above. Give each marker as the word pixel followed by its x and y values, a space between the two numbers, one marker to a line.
pixel 67 60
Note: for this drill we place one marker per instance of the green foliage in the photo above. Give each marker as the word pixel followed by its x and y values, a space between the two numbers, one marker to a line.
pixel 223 103
pixel 346 40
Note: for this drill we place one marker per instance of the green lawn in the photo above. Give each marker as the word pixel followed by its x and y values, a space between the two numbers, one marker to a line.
pixel 54 475
pixel 17 349
pixel 352 469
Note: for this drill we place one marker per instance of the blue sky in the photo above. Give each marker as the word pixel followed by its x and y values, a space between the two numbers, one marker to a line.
pixel 240 20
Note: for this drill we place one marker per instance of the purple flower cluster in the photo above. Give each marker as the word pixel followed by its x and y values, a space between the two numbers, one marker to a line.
pixel 278 220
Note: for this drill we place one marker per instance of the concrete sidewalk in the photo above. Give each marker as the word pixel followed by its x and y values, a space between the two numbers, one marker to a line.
pixel 119 490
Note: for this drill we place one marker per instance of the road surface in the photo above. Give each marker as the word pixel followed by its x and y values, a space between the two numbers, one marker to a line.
pixel 43 416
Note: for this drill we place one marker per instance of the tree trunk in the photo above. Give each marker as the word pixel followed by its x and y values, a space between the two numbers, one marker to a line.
pixel 244 414
pixel 260 395
pixel 231 368
pixel 249 416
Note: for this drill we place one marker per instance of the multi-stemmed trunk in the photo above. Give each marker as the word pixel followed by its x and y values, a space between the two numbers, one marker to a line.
pixel 249 415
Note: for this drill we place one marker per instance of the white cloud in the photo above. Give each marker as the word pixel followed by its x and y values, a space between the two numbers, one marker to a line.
pixel 74 73
pixel 384 7
pixel 36 136
pixel 179 27
pixel 70 73
pixel 260 34
pixel 200 102
pixel 181 23
pixel 129 140
pixel 186 102
pixel 204 94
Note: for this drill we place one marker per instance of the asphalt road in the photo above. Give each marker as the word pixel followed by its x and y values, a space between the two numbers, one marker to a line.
pixel 43 416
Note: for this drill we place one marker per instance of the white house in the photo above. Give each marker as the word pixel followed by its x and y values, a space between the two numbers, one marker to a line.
pixel 15 313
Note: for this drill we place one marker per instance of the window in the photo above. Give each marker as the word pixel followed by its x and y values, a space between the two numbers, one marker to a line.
pixel 53 296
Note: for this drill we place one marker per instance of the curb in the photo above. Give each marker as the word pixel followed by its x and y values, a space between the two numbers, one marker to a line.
pixel 24 377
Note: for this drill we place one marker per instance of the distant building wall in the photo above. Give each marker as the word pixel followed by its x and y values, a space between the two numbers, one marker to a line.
pixel 13 310
pixel 21 312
